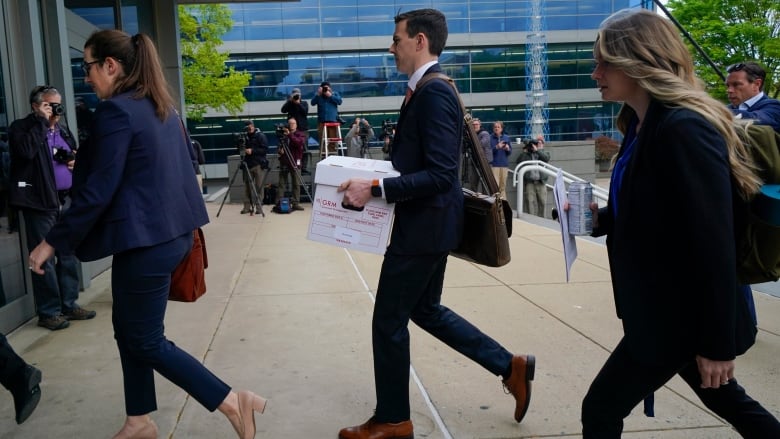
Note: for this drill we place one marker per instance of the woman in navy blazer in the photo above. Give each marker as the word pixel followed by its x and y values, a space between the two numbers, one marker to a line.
pixel 135 196
pixel 677 190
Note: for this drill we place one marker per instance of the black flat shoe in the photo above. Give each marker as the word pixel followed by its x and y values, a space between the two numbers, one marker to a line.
pixel 27 393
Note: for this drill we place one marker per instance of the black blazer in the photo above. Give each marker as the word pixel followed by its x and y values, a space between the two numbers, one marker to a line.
pixel 426 149
pixel 671 246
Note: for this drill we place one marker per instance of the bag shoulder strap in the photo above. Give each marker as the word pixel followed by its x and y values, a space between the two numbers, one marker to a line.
pixel 471 140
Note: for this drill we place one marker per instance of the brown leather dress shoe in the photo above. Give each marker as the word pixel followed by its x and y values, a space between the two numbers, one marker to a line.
pixel 519 383
pixel 375 430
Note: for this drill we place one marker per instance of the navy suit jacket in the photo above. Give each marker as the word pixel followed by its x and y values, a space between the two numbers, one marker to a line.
pixel 671 246
pixel 766 112
pixel 134 183
pixel 426 150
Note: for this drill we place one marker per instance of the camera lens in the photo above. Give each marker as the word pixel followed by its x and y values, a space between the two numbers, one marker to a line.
pixel 57 109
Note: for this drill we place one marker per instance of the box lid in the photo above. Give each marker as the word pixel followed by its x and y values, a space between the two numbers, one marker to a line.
pixel 334 170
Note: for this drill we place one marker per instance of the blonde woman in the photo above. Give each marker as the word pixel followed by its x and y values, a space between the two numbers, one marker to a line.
pixel 673 264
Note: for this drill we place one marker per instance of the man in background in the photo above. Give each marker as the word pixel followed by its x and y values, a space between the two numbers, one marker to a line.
pixel 254 156
pixel 327 102
pixel 357 138
pixel 290 154
pixel 298 108
pixel 534 181
pixel 744 86
pixel 42 160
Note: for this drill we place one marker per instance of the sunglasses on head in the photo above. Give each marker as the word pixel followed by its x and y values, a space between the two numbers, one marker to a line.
pixel 735 67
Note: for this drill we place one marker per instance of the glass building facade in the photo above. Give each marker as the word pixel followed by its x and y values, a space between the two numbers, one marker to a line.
pixel 286 45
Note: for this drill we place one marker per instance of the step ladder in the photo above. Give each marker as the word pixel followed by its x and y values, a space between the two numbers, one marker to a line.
pixel 327 140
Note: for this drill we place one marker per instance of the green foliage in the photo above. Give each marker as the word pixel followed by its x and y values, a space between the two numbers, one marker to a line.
pixel 207 82
pixel 732 31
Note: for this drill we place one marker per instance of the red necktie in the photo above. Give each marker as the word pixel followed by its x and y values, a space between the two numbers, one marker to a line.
pixel 408 95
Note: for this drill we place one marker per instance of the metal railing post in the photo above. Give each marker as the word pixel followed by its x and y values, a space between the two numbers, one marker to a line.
pixel 599 194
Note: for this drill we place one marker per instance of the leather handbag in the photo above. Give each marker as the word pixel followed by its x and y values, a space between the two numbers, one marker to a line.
pixel 487 218
pixel 188 280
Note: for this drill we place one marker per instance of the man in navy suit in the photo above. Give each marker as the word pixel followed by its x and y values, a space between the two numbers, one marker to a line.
pixel 744 86
pixel 428 224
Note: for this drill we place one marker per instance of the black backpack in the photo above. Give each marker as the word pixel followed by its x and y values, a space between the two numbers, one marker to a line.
pixel 758 244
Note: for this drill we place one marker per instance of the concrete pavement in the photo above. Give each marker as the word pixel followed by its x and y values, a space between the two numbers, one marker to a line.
pixel 290 319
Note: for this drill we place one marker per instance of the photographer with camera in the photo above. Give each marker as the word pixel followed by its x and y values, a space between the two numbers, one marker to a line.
pixel 534 182
pixel 291 143
pixel 502 148
pixel 253 146
pixel 358 137
pixel 298 108
pixel 388 134
pixel 327 102
pixel 43 154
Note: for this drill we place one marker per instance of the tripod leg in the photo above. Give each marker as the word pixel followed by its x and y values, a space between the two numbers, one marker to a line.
pixel 230 184
pixel 254 200
pixel 297 173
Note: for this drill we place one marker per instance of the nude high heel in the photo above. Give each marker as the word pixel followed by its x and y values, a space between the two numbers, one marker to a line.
pixel 148 431
pixel 248 404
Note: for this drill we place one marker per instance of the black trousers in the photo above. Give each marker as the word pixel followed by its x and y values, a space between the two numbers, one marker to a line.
pixel 11 364
pixel 624 382
pixel 410 287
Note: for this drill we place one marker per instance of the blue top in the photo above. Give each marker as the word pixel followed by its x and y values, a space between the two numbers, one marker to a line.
pixel 500 156
pixel 327 107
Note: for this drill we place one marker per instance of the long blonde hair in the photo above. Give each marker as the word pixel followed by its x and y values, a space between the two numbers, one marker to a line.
pixel 648 48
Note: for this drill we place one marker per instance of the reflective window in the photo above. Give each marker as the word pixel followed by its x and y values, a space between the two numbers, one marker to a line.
pixel 11 269
pixel 373 73
pixel 351 18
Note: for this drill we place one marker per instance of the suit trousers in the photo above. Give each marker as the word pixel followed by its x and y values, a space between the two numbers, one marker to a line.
pixel 410 287
pixel 57 289
pixel 11 365
pixel 141 279
pixel 624 382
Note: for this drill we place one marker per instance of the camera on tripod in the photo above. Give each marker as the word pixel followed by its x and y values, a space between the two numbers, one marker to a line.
pixel 281 130
pixel 240 140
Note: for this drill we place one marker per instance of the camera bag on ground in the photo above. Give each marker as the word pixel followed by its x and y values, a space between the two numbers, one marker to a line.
pixel 487 218
pixel 283 206
pixel 758 244
pixel 269 194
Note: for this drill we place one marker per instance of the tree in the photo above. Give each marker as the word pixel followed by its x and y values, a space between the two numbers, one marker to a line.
pixel 207 82
pixel 732 31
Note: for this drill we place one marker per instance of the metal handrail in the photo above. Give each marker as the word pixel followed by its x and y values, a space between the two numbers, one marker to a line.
pixel 600 195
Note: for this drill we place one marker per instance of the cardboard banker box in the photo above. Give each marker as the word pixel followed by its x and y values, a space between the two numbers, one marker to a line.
pixel 366 230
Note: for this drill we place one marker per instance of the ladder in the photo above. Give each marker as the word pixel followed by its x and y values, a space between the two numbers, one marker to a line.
pixel 326 140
